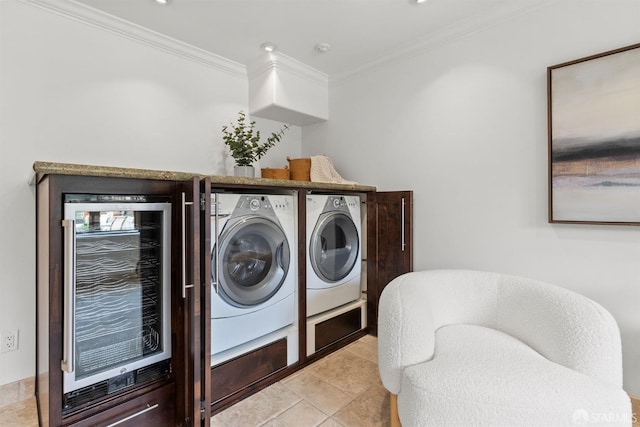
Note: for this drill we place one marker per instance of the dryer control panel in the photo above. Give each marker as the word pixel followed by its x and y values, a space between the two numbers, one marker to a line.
pixel 337 203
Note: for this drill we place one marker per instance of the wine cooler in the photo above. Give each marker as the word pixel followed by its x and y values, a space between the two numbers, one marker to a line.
pixel 116 302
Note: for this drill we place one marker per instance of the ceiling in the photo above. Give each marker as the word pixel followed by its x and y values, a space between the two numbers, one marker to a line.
pixel 360 32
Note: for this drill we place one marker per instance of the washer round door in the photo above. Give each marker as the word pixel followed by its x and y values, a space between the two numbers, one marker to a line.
pixel 254 261
pixel 334 246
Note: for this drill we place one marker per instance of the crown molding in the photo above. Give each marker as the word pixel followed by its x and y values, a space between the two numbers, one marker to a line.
pixel 439 38
pixel 104 21
pixel 280 61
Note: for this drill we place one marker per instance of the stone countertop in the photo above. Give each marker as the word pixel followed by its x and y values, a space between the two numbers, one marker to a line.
pixel 51 168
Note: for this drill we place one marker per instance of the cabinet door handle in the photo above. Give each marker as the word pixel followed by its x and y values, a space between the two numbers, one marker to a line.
pixel 185 285
pixel 137 414
pixel 216 230
pixel 402 238
pixel 68 337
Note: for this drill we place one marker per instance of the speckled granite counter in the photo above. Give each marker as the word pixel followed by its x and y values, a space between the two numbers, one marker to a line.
pixel 50 168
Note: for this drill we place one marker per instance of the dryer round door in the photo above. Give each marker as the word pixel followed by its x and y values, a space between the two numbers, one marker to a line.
pixel 253 255
pixel 334 246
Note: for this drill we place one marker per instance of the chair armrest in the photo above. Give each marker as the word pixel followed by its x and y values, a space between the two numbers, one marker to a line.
pixel 405 331
pixel 565 327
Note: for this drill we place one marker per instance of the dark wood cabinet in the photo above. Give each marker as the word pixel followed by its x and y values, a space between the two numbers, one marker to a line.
pixel 389 244
pixel 189 315
pixel 153 408
pixel 166 393
pixel 203 311
pixel 185 390
pixel 236 375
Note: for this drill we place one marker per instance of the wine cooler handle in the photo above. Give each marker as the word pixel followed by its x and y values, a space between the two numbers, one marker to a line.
pixel 184 246
pixel 402 226
pixel 69 328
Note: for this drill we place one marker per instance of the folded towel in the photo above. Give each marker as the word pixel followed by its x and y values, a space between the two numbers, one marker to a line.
pixel 322 170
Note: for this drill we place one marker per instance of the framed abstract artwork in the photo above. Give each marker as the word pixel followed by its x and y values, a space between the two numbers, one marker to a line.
pixel 594 139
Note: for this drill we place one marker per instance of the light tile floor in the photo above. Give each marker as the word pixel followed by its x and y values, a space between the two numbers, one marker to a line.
pixel 20 414
pixel 340 390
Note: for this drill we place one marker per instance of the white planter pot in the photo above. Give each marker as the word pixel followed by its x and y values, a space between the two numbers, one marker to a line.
pixel 245 171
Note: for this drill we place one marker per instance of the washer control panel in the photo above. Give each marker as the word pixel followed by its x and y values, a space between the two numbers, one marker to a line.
pixel 251 203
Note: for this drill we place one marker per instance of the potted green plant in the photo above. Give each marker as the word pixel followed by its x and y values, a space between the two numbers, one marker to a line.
pixel 244 144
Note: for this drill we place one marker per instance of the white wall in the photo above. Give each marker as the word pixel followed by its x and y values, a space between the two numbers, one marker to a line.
pixel 464 125
pixel 74 93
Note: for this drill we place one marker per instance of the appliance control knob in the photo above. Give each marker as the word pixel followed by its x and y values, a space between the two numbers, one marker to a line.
pixel 254 204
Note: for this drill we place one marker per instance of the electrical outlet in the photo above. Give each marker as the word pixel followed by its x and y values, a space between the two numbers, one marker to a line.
pixel 9 341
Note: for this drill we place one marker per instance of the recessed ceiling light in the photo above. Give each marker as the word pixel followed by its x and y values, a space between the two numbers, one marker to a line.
pixel 269 46
pixel 323 47
pixel 163 2
pixel 418 1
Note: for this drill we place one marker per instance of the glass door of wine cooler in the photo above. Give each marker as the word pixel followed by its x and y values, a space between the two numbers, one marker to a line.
pixel 116 293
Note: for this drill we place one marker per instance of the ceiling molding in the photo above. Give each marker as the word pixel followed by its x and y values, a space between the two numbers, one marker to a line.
pixel 104 21
pixel 280 61
pixel 440 38
pixel 462 29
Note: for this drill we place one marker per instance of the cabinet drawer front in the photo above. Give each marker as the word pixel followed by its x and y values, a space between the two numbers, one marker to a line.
pixel 239 373
pixel 337 328
pixel 155 408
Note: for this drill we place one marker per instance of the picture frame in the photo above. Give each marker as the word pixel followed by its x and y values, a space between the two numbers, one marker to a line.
pixel 594 139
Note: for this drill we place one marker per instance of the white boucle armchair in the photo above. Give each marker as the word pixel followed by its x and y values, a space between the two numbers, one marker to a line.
pixel 460 348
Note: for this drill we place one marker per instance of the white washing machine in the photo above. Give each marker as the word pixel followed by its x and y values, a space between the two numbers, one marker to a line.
pixel 254 273
pixel 334 242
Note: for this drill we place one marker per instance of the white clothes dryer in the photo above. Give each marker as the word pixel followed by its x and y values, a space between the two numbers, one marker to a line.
pixel 253 268
pixel 333 241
